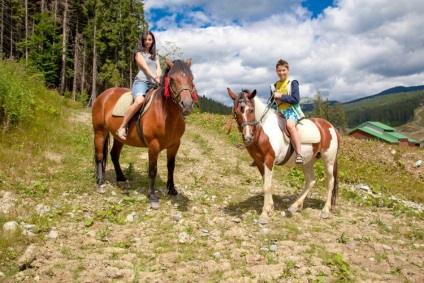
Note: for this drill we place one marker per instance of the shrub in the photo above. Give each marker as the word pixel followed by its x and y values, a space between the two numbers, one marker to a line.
pixel 19 86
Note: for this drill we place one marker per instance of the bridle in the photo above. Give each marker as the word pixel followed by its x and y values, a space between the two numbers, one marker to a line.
pixel 243 105
pixel 176 94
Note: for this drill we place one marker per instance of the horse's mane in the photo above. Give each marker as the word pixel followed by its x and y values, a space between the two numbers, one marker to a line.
pixel 260 109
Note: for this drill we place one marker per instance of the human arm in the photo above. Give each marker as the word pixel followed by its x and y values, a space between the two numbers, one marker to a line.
pixel 158 70
pixel 139 59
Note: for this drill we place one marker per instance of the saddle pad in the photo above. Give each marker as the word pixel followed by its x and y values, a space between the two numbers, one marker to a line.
pixel 124 101
pixel 308 132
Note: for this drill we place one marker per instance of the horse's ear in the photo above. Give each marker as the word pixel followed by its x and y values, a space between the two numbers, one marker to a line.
pixel 253 94
pixel 188 62
pixel 232 94
pixel 169 63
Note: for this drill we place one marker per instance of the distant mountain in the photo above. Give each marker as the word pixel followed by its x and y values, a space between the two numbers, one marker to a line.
pixel 307 102
pixel 396 89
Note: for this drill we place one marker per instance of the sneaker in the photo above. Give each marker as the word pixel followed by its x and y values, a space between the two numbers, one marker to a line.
pixel 299 159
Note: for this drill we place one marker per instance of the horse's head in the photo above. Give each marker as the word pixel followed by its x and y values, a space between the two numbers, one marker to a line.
pixel 178 83
pixel 244 114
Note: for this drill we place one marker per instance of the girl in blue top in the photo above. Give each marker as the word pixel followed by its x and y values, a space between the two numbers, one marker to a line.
pixel 149 72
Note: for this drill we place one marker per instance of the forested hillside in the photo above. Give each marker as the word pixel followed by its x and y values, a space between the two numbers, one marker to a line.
pixel 393 110
pixel 79 46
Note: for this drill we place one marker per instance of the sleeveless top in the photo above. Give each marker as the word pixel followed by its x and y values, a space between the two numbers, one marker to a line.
pixel 151 64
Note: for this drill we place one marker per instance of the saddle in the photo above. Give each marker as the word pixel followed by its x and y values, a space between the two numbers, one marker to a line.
pixel 308 131
pixel 126 100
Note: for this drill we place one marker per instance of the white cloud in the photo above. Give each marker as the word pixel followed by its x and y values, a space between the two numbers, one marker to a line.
pixel 355 49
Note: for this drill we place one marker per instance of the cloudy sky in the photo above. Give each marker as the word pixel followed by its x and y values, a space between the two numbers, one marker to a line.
pixel 346 49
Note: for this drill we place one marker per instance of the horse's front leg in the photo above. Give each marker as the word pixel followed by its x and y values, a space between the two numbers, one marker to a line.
pixel 171 154
pixel 268 208
pixel 153 170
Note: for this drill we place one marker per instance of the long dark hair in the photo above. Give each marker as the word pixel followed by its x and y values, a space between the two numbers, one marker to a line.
pixel 141 48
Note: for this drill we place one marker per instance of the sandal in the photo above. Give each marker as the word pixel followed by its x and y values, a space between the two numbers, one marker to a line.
pixel 122 133
pixel 299 159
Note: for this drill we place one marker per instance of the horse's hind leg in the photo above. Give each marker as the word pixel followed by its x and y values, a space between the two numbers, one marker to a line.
pixel 308 170
pixel 115 153
pixel 101 142
pixel 329 171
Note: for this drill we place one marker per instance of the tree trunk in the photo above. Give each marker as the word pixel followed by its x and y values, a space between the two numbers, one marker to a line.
pixel 2 29
pixel 64 49
pixel 93 86
pixel 76 65
pixel 26 30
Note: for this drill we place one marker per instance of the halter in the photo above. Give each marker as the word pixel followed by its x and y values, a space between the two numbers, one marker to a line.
pixel 246 123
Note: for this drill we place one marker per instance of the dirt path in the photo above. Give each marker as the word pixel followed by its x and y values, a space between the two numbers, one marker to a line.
pixel 210 232
pixel 415 129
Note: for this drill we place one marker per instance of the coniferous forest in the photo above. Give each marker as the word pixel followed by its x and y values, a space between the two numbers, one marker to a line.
pixel 79 46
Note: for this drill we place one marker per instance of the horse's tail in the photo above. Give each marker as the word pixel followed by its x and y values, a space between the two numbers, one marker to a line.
pixel 335 190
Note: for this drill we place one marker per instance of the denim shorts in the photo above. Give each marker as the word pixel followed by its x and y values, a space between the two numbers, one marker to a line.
pixel 139 88
pixel 289 114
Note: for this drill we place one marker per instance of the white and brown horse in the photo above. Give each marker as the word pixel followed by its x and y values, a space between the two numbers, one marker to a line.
pixel 267 145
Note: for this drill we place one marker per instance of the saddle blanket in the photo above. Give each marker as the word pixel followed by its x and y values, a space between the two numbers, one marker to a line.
pixel 123 103
pixel 308 132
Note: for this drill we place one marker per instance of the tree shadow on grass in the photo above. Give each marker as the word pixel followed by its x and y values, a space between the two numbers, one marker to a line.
pixel 281 203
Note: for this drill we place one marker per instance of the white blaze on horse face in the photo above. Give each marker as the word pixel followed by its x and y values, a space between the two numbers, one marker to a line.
pixel 246 130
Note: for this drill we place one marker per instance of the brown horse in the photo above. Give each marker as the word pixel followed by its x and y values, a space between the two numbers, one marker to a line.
pixel 267 145
pixel 162 126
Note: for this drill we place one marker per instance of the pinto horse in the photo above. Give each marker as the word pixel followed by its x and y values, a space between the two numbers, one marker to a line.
pixel 162 126
pixel 267 146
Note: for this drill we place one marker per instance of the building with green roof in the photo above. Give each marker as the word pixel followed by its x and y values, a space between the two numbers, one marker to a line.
pixel 379 131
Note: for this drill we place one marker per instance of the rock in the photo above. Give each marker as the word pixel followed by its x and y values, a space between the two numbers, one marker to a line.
pixel 52 235
pixel 418 164
pixel 29 256
pixel 273 248
pixel 236 220
pixel 40 209
pixel 217 255
pixel 10 226
pixel 131 217
pixel 176 218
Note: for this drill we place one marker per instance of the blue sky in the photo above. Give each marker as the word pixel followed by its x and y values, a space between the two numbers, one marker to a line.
pixel 346 49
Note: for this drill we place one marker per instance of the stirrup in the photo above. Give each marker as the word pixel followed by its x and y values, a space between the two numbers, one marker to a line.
pixel 299 159
pixel 122 133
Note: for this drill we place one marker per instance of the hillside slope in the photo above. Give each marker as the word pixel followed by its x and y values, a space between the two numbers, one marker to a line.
pixel 209 233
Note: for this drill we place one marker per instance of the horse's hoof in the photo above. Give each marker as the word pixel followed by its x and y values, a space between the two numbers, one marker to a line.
pixel 101 189
pixel 263 220
pixel 124 184
pixel 292 209
pixel 324 214
pixel 154 205
pixel 172 192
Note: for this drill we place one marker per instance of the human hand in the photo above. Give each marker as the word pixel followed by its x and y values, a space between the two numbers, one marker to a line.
pixel 277 95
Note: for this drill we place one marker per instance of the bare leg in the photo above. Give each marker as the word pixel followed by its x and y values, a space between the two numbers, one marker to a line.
pixel 291 127
pixel 129 113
